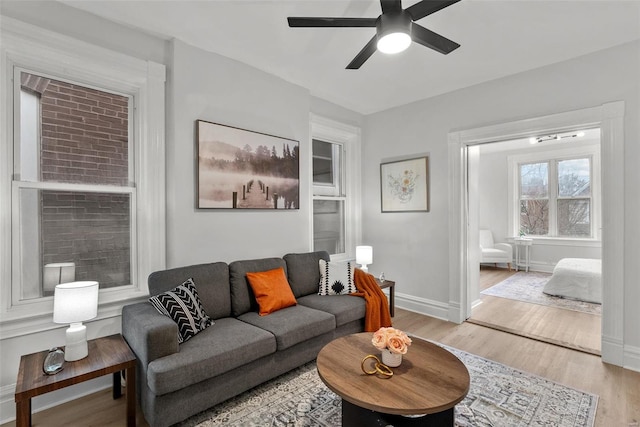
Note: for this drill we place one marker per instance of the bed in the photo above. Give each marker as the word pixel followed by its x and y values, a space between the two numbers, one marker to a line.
pixel 576 278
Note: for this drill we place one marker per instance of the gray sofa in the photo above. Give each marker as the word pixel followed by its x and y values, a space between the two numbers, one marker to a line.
pixel 242 349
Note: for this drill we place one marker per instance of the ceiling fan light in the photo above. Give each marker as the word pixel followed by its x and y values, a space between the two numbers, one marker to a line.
pixel 394 42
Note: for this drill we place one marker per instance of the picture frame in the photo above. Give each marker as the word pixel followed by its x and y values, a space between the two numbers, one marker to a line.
pixel 243 169
pixel 404 185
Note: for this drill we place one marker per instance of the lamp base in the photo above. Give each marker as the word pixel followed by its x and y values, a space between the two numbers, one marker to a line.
pixel 76 347
pixel 364 268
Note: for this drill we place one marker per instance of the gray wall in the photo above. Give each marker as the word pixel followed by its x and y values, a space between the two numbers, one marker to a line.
pixel 210 87
pixel 413 248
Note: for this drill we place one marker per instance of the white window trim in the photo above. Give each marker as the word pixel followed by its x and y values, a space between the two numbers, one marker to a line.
pixel 24 45
pixel 349 136
pixel 575 151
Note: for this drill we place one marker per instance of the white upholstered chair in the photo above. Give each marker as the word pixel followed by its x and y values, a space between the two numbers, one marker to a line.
pixel 491 252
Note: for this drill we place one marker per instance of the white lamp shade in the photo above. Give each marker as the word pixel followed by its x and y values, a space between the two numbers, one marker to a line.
pixel 364 255
pixel 75 302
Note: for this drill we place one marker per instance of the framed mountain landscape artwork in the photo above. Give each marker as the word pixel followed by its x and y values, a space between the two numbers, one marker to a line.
pixel 241 169
pixel 404 185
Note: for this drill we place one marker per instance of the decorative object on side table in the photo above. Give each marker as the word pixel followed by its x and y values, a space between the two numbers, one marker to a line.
pixel 54 362
pixel 74 303
pixel 393 343
pixel 364 256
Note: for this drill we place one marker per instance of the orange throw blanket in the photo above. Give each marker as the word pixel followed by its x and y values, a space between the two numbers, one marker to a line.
pixel 377 309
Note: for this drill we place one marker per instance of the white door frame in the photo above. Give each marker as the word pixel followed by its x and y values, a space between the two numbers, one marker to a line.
pixel 609 118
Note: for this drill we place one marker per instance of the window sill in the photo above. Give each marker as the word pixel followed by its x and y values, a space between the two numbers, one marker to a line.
pixel 16 323
pixel 564 241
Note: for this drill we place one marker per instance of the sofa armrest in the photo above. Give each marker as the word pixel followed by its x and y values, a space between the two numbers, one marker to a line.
pixel 150 334
pixel 504 247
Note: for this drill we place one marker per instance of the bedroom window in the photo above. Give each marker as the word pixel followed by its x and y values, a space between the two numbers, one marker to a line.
pixel 557 195
pixel 82 191
pixel 555 198
pixel 335 198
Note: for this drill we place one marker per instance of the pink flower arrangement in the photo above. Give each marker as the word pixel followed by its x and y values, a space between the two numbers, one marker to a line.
pixel 392 339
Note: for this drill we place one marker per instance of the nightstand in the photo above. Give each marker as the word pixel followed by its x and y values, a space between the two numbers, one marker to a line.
pixel 107 355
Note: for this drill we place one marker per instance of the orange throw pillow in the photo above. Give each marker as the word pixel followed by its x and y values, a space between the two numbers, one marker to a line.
pixel 272 290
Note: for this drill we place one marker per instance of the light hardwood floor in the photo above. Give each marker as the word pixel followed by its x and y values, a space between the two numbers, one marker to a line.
pixel 618 388
pixel 572 329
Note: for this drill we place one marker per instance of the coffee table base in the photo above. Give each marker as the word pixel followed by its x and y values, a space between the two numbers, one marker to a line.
pixel 355 416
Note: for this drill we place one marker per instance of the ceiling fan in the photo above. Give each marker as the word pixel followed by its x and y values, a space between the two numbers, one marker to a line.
pixel 395 28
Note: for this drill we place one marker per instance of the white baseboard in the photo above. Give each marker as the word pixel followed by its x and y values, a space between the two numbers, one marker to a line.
pixel 632 358
pixel 424 306
pixel 612 351
pixel 49 400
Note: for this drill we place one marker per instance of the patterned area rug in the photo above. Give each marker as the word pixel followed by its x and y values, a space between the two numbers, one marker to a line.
pixel 499 396
pixel 528 287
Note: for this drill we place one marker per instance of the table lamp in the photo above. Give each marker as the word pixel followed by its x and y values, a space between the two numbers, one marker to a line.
pixel 74 303
pixel 364 256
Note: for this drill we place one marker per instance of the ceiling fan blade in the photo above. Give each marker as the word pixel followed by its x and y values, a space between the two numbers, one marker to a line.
pixel 391 6
pixel 435 41
pixel 364 54
pixel 427 7
pixel 331 22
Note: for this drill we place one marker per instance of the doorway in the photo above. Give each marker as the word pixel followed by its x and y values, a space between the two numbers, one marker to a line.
pixel 548 189
pixel 463 248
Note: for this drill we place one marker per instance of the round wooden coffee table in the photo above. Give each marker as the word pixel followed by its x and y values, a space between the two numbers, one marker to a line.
pixel 422 391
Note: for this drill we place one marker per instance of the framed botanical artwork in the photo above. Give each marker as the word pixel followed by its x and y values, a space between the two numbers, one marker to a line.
pixel 242 169
pixel 404 185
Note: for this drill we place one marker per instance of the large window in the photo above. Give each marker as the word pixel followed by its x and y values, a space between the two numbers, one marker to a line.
pixel 83 187
pixel 74 185
pixel 335 171
pixel 557 194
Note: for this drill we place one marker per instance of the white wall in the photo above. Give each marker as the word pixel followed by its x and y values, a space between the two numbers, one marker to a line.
pixel 217 89
pixel 412 248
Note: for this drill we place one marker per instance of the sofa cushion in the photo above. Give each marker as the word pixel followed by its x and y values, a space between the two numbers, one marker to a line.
pixel 345 308
pixel 336 278
pixel 303 273
pixel 211 279
pixel 271 290
pixel 292 325
pixel 228 344
pixel 183 306
pixel 242 298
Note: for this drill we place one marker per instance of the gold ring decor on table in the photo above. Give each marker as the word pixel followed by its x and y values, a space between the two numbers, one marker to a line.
pixel 379 368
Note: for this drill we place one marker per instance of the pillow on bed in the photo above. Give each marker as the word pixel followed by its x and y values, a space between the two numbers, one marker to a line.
pixel 336 278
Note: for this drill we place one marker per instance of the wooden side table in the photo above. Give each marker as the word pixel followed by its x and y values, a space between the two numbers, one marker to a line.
pixel 107 355
pixel 392 294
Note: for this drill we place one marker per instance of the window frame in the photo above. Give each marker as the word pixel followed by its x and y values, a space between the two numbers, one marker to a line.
pixel 552 157
pixel 64 58
pixel 348 137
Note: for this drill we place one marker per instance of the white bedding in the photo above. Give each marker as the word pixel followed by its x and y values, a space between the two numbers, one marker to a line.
pixel 576 278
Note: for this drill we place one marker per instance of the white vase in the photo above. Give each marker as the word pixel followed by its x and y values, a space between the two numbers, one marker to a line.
pixel 392 360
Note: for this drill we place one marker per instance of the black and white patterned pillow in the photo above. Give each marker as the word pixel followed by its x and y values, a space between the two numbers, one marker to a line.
pixel 183 306
pixel 336 278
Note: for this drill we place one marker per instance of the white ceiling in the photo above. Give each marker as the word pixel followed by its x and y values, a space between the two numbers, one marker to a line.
pixel 498 38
